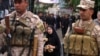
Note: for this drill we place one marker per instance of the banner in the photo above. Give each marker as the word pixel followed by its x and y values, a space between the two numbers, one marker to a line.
pixel 49 1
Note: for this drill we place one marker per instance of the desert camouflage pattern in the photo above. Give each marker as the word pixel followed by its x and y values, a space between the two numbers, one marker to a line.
pixel 21 28
pixel 86 44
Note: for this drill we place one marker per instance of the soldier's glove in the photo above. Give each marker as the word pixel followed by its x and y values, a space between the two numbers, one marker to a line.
pixel 3 49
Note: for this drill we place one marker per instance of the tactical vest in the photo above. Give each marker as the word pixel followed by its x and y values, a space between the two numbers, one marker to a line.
pixel 20 32
pixel 2 29
pixel 82 44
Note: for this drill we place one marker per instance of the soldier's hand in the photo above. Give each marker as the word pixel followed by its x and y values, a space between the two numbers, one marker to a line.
pixel 45 39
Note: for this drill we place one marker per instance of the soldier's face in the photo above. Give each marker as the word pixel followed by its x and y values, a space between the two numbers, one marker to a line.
pixel 49 30
pixel 85 14
pixel 20 5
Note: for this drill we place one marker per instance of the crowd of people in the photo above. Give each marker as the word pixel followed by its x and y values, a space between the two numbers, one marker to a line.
pixel 57 21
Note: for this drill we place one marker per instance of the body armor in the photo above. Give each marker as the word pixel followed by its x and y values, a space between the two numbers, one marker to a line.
pixel 2 29
pixel 82 43
pixel 20 32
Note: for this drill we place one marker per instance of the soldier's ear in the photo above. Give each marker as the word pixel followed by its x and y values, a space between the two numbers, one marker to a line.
pixel 92 10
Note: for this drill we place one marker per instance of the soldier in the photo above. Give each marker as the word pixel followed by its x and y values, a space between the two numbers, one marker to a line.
pixel 84 39
pixel 22 22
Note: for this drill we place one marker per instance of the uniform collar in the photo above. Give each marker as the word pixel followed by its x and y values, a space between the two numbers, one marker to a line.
pixel 19 15
pixel 81 22
pixel 88 22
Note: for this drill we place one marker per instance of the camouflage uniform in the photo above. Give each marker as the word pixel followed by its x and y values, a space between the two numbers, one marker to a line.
pixel 84 40
pixel 21 32
pixel 95 33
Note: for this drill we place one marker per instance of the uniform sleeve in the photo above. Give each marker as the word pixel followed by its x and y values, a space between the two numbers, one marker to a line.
pixel 39 31
pixel 96 33
pixel 2 33
pixel 40 45
pixel 3 23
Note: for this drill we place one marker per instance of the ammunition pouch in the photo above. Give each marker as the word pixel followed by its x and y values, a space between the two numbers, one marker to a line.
pixel 21 36
pixel 20 32
pixel 27 31
pixel 81 44
pixel 2 29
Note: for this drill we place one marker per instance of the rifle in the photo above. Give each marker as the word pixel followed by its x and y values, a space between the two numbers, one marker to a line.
pixel 31 40
pixel 35 44
pixel 8 38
